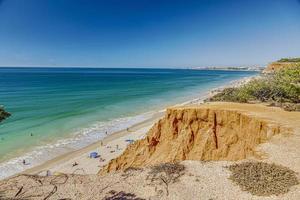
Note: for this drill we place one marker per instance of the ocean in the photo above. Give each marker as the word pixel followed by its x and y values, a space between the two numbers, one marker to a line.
pixel 57 110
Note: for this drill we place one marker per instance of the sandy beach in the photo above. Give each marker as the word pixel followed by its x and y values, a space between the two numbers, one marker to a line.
pixel 108 148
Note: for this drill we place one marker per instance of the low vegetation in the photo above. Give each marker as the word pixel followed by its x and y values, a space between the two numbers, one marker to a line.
pixel 281 88
pixel 263 179
pixel 166 173
pixel 113 195
pixel 3 114
pixel 289 60
pixel 172 170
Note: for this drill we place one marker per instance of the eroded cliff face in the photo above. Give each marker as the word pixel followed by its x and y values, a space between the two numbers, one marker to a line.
pixel 199 133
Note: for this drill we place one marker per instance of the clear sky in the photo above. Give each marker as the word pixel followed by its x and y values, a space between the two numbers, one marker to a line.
pixel 147 33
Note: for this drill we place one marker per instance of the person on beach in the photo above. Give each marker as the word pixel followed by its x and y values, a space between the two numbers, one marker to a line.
pixel 24 162
pixel 105 132
pixel 31 134
pixel 75 164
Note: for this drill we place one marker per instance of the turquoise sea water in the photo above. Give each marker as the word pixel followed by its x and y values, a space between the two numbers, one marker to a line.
pixel 68 108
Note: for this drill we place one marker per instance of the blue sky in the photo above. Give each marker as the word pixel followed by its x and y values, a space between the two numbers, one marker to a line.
pixel 147 33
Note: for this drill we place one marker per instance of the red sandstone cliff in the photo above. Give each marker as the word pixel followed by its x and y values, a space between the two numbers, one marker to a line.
pixel 197 133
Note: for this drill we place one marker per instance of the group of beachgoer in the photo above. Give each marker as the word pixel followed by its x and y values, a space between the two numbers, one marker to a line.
pixel 75 163
pixel 101 143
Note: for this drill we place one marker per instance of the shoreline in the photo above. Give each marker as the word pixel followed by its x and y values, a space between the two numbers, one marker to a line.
pixel 131 132
pixel 64 163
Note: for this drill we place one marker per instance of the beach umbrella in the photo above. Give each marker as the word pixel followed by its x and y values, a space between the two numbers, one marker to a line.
pixel 93 155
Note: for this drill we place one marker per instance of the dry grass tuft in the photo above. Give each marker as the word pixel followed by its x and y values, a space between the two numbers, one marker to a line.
pixel 132 169
pixel 172 170
pixel 113 195
pixel 263 179
pixel 166 174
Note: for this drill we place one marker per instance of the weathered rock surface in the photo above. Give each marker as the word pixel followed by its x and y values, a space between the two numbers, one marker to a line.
pixel 198 133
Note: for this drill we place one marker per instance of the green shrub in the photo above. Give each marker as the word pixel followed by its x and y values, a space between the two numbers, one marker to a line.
pixel 228 94
pixel 282 86
pixel 289 60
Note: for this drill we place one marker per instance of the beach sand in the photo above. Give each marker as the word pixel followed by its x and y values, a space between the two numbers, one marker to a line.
pixel 108 148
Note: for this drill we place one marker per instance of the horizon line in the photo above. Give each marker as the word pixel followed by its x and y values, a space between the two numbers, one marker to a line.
pixel 136 67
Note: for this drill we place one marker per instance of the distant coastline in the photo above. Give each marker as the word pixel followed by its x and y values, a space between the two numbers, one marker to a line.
pixel 248 68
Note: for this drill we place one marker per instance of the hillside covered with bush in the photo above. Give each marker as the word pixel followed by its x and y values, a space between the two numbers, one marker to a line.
pixel 281 88
pixel 289 60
